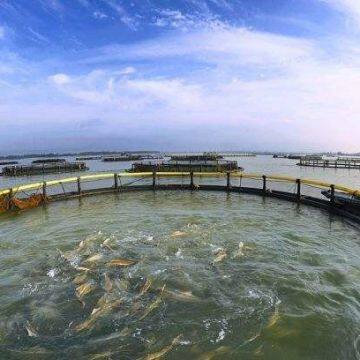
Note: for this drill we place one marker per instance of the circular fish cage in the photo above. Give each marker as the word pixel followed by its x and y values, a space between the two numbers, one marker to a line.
pixel 213 274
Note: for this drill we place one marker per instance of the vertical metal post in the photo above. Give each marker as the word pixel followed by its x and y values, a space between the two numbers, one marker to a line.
pixel 264 184
pixel 79 186
pixel 228 181
pixel 332 195
pixel 154 179
pixel 9 201
pixel 298 189
pixel 44 191
pixel 116 181
pixel 192 180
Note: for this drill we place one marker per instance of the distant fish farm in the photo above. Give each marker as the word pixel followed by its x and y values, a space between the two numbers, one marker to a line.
pixel 340 163
pixel 121 157
pixel 8 163
pixel 85 158
pixel 207 162
pixel 45 166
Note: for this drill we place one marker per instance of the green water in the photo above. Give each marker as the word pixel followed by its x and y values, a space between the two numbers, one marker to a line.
pixel 291 290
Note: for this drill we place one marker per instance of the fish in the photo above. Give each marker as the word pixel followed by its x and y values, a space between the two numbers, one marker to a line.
pixel 81 245
pixel 104 355
pixel 95 315
pixel 108 283
pixel 178 233
pixel 242 247
pixel 31 330
pixel 160 354
pixel 220 256
pixel 82 268
pixel 105 244
pixel 94 258
pixel 145 287
pixel 275 317
pixel 79 279
pixel 155 304
pixel 95 310
pixel 69 256
pixel 185 296
pixel 84 289
pixel 121 262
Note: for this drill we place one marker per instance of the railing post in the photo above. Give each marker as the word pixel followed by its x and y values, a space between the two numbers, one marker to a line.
pixel 192 180
pixel 228 181
pixel 298 189
pixel 154 179
pixel 10 196
pixel 332 195
pixel 79 186
pixel 116 181
pixel 264 184
pixel 44 191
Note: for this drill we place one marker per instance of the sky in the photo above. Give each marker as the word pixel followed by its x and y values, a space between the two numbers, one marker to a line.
pixel 171 75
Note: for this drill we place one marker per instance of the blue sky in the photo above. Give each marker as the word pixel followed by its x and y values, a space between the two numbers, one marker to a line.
pixel 179 75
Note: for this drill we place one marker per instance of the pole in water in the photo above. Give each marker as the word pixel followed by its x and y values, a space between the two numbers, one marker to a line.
pixel 116 181
pixel 264 183
pixel 44 191
pixel 154 179
pixel 298 189
pixel 332 195
pixel 79 186
pixel 228 181
pixel 192 180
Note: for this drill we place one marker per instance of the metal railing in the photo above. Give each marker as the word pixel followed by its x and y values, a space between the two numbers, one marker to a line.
pixel 231 181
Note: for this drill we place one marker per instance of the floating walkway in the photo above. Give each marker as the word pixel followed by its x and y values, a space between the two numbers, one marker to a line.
pixel 32 195
pixel 332 164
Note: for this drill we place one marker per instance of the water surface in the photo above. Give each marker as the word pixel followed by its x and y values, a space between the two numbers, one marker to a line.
pixel 244 278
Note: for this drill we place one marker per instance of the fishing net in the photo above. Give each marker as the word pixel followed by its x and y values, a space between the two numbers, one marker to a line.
pixel 4 204
pixel 28 203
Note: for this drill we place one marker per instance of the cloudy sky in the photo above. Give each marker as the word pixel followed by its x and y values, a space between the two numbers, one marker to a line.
pixel 281 75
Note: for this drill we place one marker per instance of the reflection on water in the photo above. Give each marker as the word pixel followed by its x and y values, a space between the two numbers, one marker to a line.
pixel 178 274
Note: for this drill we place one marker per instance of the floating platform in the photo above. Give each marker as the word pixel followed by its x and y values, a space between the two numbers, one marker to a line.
pixel 206 162
pixel 332 164
pixel 240 154
pixel 297 157
pixel 48 161
pixel 8 162
pixel 43 168
pixel 121 157
pixel 187 164
pixel 84 158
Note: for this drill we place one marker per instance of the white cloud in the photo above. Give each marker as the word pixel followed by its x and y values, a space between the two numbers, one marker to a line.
pixel 60 79
pixel 99 15
pixel 126 71
pixel 218 44
pixel 350 7
pixel 250 84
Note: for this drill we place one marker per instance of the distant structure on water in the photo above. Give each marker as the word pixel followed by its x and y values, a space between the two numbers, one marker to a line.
pixel 338 163
pixel 44 166
pixel 207 162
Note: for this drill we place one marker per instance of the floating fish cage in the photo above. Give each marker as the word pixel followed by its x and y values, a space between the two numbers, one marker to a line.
pixel 115 158
pixel 186 166
pixel 84 158
pixel 333 164
pixel 43 168
pixel 8 163
pixel 48 161
pixel 206 156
